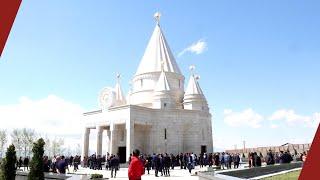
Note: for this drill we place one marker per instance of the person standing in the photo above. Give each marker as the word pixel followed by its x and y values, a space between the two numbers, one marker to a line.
pixel 304 157
pixel 136 168
pixel 173 161
pixel 20 162
pixel 190 160
pixel 236 161
pixel 62 165
pixel 167 164
pixel 114 163
pixel 26 163
pixel 156 163
pixel 181 160
pixel 270 158
pixel 149 163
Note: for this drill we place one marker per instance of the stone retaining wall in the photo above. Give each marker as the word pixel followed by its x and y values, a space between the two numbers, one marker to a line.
pixel 291 147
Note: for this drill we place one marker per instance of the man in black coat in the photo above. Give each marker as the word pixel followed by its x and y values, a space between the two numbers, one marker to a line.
pixel 270 158
pixel 26 163
pixel 236 161
pixel 167 164
pixel 286 157
pixel 257 160
pixel 156 163
pixel 114 163
pixel 181 159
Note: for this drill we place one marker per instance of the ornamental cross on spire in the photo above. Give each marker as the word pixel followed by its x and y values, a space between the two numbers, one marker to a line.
pixel 157 16
pixel 192 68
pixel 118 77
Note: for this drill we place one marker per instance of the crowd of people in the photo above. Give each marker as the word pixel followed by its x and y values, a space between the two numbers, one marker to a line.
pixel 56 164
pixel 271 158
pixel 163 163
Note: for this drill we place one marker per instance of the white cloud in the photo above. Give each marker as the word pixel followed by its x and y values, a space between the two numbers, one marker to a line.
pixel 51 116
pixel 315 119
pixel 246 117
pixel 197 48
pixel 292 118
pixel 274 126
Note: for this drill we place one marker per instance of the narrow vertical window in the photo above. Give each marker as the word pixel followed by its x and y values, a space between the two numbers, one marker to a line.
pixel 141 82
pixel 165 133
pixel 179 83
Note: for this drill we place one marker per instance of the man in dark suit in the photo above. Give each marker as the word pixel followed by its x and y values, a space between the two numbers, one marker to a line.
pixel 114 163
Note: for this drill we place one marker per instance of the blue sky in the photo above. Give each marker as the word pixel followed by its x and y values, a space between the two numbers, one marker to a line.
pixel 261 61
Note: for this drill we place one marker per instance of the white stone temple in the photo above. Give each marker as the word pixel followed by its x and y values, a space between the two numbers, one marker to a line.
pixel 158 115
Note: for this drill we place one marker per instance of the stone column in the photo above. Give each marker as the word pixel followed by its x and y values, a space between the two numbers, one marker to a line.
pixel 108 142
pixel 129 138
pixel 85 150
pixel 111 138
pixel 99 140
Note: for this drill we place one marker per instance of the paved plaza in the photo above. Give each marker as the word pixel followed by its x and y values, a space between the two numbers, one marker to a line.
pixel 177 173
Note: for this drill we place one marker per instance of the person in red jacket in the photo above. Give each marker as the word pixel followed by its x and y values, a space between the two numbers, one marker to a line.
pixel 136 168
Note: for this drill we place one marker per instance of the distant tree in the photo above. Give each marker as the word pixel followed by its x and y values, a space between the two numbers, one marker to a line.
pixel 56 146
pixel 16 139
pixel 47 147
pixel 77 150
pixel 36 164
pixel 3 141
pixel 28 136
pixel 8 167
pixel 23 139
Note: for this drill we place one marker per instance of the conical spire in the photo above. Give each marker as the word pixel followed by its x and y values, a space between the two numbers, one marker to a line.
pixel 157 50
pixel 193 97
pixel 162 97
pixel 120 98
pixel 193 85
pixel 163 84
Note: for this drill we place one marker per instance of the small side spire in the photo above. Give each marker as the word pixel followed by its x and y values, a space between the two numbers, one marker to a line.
pixel 120 98
pixel 193 97
pixel 193 85
pixel 163 84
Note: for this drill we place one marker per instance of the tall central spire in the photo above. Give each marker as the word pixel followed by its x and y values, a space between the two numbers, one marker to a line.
pixel 157 50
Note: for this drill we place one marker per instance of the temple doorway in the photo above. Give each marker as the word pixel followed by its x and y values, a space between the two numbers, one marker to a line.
pixel 203 149
pixel 122 154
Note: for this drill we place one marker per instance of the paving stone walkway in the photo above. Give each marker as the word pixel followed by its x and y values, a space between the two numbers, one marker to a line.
pixel 177 173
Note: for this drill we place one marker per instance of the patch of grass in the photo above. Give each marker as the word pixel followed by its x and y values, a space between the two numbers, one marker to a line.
pixel 260 171
pixel 287 176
